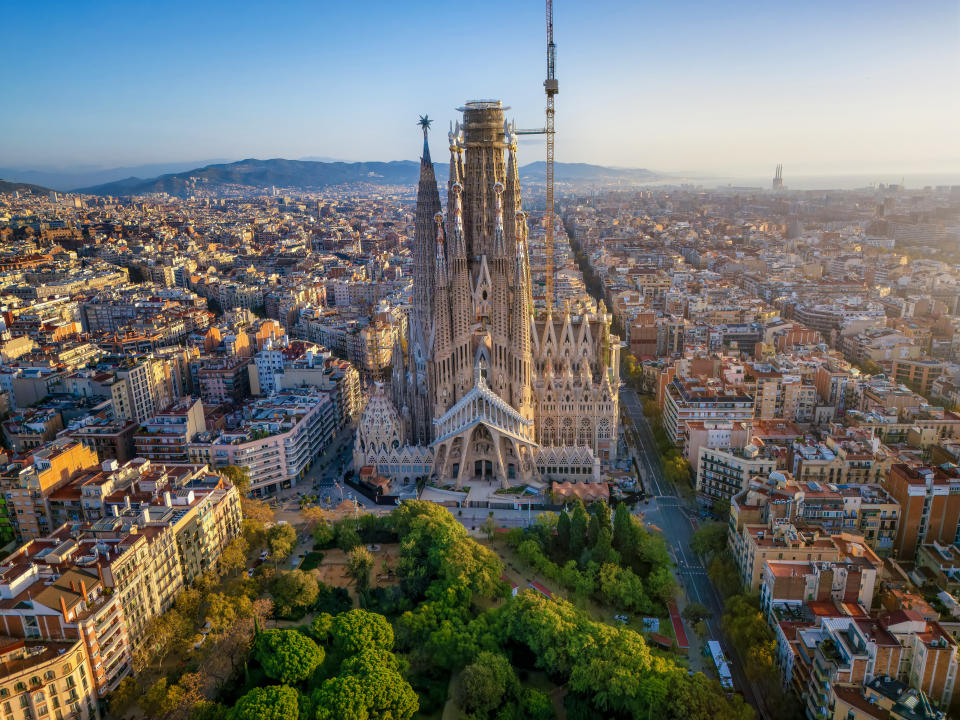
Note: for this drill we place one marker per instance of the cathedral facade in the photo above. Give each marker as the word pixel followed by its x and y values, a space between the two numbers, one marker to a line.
pixel 480 379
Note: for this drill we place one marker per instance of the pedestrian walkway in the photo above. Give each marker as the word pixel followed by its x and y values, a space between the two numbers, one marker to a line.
pixel 678 630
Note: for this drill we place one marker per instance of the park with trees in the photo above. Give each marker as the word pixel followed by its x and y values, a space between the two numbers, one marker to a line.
pixel 617 564
pixel 444 636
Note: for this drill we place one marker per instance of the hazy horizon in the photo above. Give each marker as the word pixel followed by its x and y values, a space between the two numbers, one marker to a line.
pixel 726 89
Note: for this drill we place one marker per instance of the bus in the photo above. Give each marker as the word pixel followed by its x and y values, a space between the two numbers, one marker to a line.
pixel 720 662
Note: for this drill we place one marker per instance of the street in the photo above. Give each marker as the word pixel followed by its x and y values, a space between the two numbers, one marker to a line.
pixel 676 519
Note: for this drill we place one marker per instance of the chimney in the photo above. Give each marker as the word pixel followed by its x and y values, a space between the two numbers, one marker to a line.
pixel 83 590
pixel 100 573
pixel 146 515
pixel 63 608
pixel 167 499
pixel 116 510
pixel 126 502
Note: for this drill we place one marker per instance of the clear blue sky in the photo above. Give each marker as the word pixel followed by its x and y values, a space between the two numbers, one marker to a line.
pixel 734 87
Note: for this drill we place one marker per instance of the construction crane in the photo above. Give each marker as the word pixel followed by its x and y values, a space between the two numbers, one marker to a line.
pixel 550 87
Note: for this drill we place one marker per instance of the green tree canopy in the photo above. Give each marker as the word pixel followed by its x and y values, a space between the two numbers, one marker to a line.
pixel 287 655
pixel 323 534
pixel 275 702
pixel 293 591
pixel 623 536
pixel 695 612
pixel 347 535
pixel 359 565
pixel 281 540
pixel 234 556
pixel 435 549
pixel 603 551
pixel 578 529
pixel 710 539
pixel 358 631
pixel 381 693
pixel 484 683
pixel 563 532
pixel 239 476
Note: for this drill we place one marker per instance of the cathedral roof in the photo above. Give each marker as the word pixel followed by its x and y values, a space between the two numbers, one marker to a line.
pixel 380 423
pixel 565 455
pixel 482 405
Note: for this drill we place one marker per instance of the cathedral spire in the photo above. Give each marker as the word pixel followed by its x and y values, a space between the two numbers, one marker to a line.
pixel 455 177
pixel 499 249
pixel 459 250
pixel 425 123
pixel 441 257
pixel 520 320
pixel 428 205
pixel 420 329
pixel 511 200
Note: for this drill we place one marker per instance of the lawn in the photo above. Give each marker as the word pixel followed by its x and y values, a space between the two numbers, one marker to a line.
pixel 312 560
pixel 331 566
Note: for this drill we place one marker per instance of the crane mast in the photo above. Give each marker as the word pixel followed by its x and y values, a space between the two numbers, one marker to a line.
pixel 550 87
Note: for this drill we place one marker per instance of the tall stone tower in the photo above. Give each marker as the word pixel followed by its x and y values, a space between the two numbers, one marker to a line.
pixel 418 378
pixel 481 351
pixel 485 277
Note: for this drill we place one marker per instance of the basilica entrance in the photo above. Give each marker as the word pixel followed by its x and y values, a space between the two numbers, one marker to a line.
pixel 483 469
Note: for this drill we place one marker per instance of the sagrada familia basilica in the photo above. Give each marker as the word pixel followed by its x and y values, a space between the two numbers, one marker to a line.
pixel 484 389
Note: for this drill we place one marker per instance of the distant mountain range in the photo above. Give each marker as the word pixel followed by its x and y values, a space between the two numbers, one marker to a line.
pixel 307 174
pixel 10 187
pixel 66 179
pixel 584 173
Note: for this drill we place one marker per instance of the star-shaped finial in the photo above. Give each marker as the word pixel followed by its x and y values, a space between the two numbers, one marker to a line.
pixel 425 122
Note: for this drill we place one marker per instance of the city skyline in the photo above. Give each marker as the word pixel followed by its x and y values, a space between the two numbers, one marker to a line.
pixel 822 89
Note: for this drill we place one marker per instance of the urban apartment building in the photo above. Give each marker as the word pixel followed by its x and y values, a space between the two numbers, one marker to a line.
pixel 838 460
pixel 721 474
pixel 784 521
pixel 111 438
pixel 277 440
pixel 852 661
pixel 145 388
pixel 918 374
pixel 225 380
pixel 159 528
pixel 688 399
pixel 782 396
pixel 929 499
pixel 29 481
pixel 165 437
pixel 41 678
pixel 53 599
pixel 883 698
pixel 793 583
